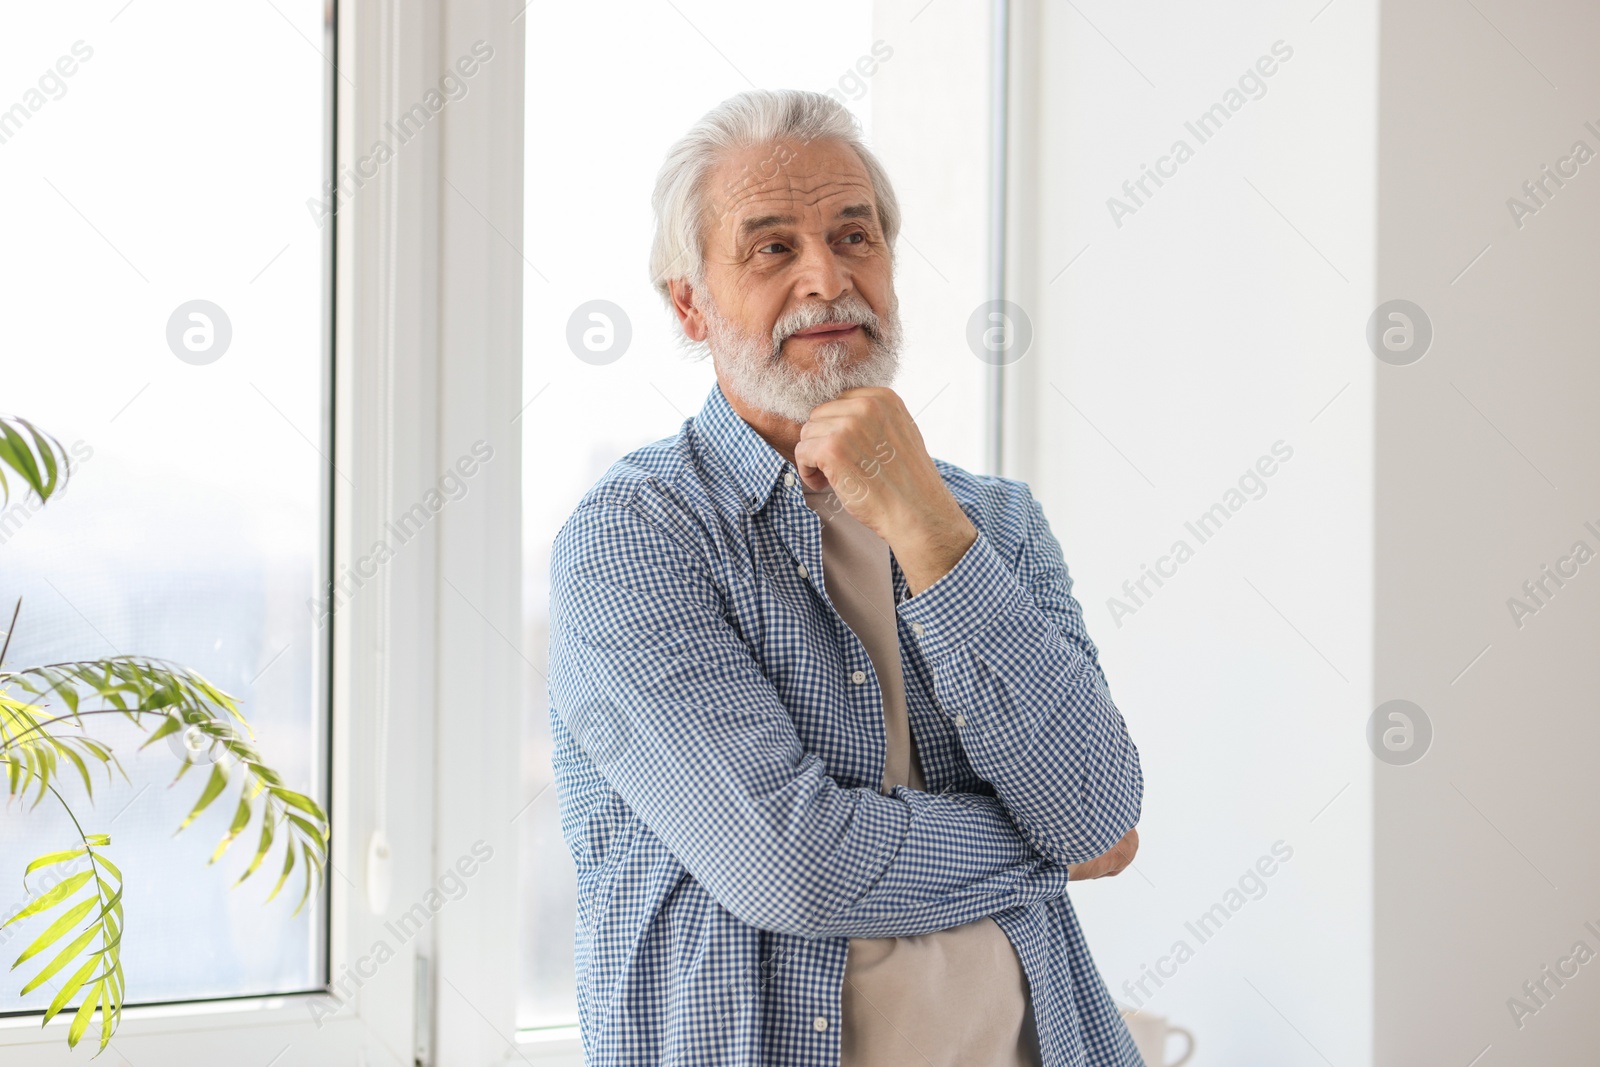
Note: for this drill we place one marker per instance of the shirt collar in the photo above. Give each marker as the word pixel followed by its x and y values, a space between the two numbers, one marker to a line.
pixel 754 463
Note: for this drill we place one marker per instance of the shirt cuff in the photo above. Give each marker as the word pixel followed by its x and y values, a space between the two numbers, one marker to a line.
pixel 977 590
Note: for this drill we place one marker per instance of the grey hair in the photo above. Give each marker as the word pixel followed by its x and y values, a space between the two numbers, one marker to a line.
pixel 756 117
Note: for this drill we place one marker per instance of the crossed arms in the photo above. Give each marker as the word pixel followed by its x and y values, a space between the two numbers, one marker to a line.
pixel 668 702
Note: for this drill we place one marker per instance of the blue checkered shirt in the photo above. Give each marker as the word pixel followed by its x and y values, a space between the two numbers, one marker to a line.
pixel 718 769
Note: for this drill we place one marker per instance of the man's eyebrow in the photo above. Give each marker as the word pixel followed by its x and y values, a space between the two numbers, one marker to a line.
pixel 761 222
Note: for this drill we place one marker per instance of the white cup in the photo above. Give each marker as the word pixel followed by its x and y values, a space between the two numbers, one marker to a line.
pixel 1150 1033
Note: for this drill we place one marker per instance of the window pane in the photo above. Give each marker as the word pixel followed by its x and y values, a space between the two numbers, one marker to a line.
pixel 590 170
pixel 150 157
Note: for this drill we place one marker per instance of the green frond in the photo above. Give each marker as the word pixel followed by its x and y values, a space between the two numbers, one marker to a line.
pixel 33 456
pixel 41 733
pixel 88 906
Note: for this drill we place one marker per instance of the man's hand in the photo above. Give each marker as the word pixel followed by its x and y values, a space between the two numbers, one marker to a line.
pixel 865 445
pixel 1109 865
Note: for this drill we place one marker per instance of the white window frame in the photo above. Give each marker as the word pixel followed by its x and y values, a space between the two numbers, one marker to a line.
pixel 426 332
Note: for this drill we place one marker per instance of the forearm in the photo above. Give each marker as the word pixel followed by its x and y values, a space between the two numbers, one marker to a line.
pixel 1059 757
pixel 954 858
pixel 1030 706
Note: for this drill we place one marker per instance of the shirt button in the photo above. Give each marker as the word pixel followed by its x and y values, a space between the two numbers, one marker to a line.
pixel 820 1023
pixel 961 720
pixel 801 570
pixel 918 629
pixel 858 677
pixel 788 479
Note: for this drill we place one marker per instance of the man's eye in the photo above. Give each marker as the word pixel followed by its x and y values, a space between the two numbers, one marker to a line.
pixel 857 234
pixel 774 244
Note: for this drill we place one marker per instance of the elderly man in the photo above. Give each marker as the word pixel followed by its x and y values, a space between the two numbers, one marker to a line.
pixel 831 739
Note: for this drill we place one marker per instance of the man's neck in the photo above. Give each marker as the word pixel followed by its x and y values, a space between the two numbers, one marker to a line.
pixel 779 432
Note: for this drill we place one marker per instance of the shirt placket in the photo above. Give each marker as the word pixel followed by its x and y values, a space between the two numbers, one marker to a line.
pixel 800 530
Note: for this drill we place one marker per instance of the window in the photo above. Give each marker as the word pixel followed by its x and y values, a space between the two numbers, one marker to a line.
pixel 165 317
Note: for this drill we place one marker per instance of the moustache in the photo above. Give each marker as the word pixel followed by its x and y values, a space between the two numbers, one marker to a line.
pixel 854 314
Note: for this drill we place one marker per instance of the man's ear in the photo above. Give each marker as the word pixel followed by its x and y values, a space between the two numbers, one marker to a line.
pixel 684 306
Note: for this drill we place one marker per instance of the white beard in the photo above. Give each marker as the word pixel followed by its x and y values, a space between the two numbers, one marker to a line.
pixel 755 369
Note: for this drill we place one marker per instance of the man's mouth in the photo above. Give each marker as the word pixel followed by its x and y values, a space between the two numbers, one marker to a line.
pixel 828 331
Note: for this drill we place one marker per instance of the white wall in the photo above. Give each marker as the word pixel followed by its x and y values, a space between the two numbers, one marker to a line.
pixel 1224 315
pixel 1486 867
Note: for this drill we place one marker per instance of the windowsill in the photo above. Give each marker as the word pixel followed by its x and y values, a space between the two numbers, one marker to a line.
pixel 555 1045
pixel 542 1035
pixel 221 1012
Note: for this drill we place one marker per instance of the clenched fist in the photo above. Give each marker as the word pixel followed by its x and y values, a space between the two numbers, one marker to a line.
pixel 865 445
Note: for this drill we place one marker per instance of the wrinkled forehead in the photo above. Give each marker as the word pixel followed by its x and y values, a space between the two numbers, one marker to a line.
pixel 809 182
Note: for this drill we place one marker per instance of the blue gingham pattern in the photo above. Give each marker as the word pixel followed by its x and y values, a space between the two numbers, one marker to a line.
pixel 718 769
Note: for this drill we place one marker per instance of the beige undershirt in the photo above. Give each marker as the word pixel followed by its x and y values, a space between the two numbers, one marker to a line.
pixel 955 998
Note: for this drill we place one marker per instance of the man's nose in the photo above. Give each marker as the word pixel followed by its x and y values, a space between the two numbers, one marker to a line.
pixel 823 275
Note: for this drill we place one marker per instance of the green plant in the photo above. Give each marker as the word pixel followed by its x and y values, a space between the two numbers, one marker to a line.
pixel 39 741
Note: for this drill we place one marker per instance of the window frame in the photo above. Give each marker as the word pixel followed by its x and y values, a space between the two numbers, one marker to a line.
pixel 418 267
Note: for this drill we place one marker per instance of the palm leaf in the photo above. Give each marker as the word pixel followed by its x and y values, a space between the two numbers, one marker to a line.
pixel 38 740
pixel 33 456
pixel 90 903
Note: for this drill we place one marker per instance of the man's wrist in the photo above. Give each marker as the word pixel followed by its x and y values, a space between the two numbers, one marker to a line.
pixel 977 594
pixel 926 558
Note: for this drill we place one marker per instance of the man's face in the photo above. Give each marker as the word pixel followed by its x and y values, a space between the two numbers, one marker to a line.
pixel 798 303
